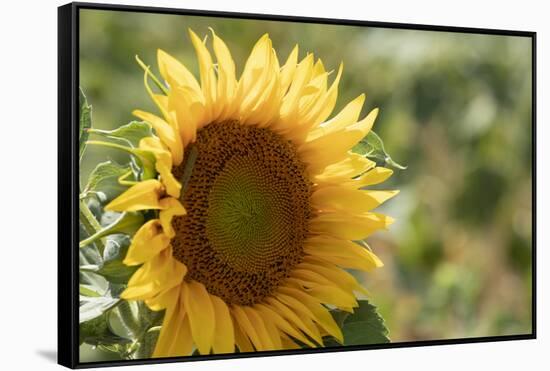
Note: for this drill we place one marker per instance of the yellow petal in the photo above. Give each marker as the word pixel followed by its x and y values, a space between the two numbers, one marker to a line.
pixel 142 196
pixel 283 324
pixel 252 81
pixel 332 274
pixel 288 69
pixel 308 278
pixel 349 226
pixel 170 207
pixel 330 293
pixel 334 263
pixel 311 95
pixel 227 83
pixel 190 111
pixel 247 327
pixel 334 146
pixel 224 340
pixel 170 325
pixel 163 299
pixel 261 329
pixel 346 199
pixel 320 313
pixel 298 305
pixel 300 79
pixel 301 322
pixel 371 177
pixel 318 69
pixel 163 164
pixel 162 100
pixel 329 149
pixel 160 273
pixel 208 77
pixel 167 133
pixel 366 124
pixel 146 243
pixel 266 108
pixel 175 73
pixel 274 333
pixel 346 117
pixel 324 106
pixel 242 341
pixel 182 343
pixel 289 343
pixel 259 85
pixel 198 306
pixel 346 169
pixel 342 252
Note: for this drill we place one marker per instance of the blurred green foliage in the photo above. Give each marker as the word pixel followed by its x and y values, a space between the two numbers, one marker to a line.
pixel 455 108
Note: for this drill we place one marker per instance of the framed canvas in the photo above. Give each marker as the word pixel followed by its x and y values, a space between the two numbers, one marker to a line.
pixel 242 185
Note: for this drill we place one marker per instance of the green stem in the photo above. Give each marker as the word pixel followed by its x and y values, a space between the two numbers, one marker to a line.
pixel 128 320
pixel 91 225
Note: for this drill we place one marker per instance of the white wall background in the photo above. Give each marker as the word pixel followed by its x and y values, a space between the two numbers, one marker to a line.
pixel 28 125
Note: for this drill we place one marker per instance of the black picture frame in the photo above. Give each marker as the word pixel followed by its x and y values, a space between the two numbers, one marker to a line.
pixel 68 184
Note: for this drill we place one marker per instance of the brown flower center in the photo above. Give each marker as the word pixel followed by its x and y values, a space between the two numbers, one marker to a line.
pixel 248 208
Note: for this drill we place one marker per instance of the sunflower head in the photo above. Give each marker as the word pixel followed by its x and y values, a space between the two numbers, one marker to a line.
pixel 258 201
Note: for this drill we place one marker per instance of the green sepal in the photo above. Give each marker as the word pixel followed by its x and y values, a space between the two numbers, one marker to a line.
pixel 372 147
pixel 131 133
pixel 104 181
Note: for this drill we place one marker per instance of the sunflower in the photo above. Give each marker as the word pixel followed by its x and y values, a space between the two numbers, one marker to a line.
pixel 258 201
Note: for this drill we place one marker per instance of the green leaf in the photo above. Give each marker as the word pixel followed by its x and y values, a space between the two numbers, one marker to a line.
pixel 89 256
pixel 372 147
pixel 86 290
pixel 113 269
pixel 130 133
pixel 85 122
pixel 362 327
pixel 89 262
pixel 125 320
pixel 103 181
pixel 144 166
pixel 96 332
pixel 93 307
pixel 127 223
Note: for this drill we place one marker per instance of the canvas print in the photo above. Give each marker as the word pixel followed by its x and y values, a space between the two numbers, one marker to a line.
pixel 249 185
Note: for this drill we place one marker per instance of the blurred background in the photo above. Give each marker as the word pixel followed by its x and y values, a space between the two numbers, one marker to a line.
pixel 455 108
